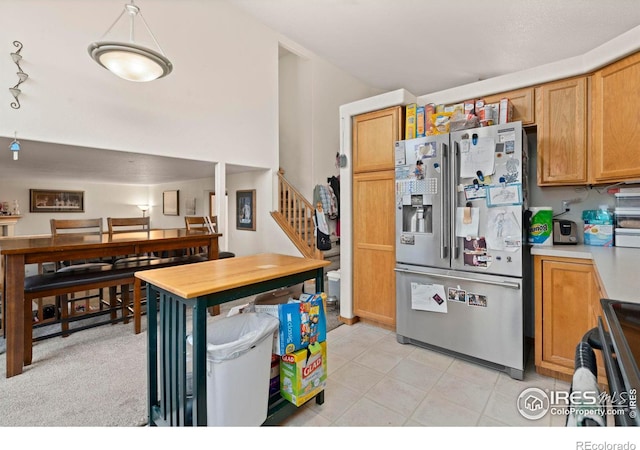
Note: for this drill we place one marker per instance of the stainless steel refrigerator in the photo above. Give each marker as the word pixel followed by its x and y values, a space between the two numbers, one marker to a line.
pixel 462 263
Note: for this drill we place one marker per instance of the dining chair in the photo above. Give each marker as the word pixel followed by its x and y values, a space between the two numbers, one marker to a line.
pixel 199 223
pixel 67 305
pixel 118 226
pixel 122 225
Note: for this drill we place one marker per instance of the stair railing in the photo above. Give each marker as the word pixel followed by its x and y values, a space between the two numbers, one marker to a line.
pixel 295 216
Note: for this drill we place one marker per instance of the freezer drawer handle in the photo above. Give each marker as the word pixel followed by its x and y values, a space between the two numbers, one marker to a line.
pixel 437 275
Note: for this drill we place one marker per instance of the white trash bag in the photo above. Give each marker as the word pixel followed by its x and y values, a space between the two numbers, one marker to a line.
pixel 231 337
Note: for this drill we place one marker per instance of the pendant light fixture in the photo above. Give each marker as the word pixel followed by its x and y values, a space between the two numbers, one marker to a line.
pixel 129 60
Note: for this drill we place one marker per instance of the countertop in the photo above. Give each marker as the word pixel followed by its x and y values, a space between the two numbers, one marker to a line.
pixel 618 267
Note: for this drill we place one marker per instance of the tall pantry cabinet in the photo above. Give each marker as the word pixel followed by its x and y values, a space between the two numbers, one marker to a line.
pixel 374 255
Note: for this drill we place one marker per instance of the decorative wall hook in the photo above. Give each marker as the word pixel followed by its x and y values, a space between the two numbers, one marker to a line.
pixel 22 77
pixel 15 146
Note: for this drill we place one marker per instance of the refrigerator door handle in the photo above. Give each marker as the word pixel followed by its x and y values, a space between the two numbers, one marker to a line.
pixel 453 192
pixel 444 237
pixel 508 284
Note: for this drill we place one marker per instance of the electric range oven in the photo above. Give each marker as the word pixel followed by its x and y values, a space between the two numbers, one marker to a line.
pixel 621 356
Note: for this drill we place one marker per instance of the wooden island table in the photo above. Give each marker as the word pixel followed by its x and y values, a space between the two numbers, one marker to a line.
pixel 19 251
pixel 192 289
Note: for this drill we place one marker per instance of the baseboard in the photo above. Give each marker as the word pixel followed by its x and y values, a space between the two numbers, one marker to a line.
pixel 378 324
pixel 348 321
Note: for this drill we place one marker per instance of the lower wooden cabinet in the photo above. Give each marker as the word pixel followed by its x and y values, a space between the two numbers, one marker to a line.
pixel 567 304
pixel 374 255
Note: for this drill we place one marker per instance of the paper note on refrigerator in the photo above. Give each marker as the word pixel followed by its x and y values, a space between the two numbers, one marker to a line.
pixel 504 231
pixel 467 229
pixel 428 297
pixel 477 155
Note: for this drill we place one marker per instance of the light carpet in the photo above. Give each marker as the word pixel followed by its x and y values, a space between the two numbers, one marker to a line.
pixel 96 377
pixel 93 378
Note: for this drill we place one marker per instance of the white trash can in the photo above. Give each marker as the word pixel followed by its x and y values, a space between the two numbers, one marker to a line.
pixel 334 283
pixel 238 369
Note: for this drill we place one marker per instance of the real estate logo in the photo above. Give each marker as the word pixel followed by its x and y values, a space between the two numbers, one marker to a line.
pixel 533 403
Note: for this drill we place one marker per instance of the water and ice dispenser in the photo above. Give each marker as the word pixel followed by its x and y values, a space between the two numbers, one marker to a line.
pixel 417 217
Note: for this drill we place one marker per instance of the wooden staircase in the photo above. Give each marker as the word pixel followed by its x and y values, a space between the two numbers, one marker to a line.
pixel 295 217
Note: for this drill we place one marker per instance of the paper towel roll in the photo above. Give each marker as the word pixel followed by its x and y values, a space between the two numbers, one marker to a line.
pixel 541 226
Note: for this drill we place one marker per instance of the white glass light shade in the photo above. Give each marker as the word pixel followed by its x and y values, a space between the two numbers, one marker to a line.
pixel 129 61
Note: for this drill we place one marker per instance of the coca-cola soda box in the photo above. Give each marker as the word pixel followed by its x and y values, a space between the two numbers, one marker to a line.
pixel 303 374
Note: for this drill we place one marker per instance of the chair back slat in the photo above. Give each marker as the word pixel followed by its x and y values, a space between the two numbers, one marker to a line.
pixel 76 226
pixel 117 225
pixel 198 223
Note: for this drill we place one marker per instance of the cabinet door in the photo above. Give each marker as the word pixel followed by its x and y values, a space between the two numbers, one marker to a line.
pixel 565 291
pixel 616 121
pixel 374 137
pixel 561 113
pixel 522 101
pixel 374 257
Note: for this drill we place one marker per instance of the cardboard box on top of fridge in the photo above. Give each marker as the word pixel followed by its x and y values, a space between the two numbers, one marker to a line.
pixel 303 374
pixel 302 321
pixel 429 126
pixel 506 111
pixel 420 122
pixel 470 107
pixel 410 121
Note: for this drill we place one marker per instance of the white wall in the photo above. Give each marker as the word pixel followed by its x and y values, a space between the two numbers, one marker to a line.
pixel 100 200
pixel 311 91
pixel 329 86
pixel 106 200
pixel 223 86
pixel 245 242
pixel 187 191
pixel 220 103
pixel 295 122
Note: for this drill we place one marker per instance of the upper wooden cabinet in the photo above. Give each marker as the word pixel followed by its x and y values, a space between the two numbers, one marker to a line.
pixel 522 101
pixel 616 121
pixel 374 137
pixel 562 119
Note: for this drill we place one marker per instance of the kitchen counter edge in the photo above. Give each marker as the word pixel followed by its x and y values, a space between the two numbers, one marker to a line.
pixel 617 266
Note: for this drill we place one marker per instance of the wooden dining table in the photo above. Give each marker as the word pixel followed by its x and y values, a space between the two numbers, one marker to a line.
pixel 19 251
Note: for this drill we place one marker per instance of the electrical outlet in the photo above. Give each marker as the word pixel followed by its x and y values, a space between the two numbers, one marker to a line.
pixel 565 205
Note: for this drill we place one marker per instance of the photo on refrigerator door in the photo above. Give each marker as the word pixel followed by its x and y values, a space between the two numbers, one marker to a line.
pixel 475 252
pixel 477 300
pixel 457 295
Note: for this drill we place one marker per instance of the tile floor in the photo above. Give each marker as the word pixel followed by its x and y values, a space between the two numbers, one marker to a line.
pixel 375 381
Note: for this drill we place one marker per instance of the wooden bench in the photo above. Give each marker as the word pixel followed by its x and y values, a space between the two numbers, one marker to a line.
pixel 61 283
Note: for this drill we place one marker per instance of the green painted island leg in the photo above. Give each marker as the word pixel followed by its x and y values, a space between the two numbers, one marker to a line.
pixel 166 355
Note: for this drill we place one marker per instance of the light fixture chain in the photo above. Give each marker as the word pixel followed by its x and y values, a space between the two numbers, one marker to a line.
pixel 113 24
pixel 151 33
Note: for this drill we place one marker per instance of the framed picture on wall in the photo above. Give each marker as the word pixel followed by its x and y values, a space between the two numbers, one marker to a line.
pixel 246 210
pixel 170 203
pixel 54 200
